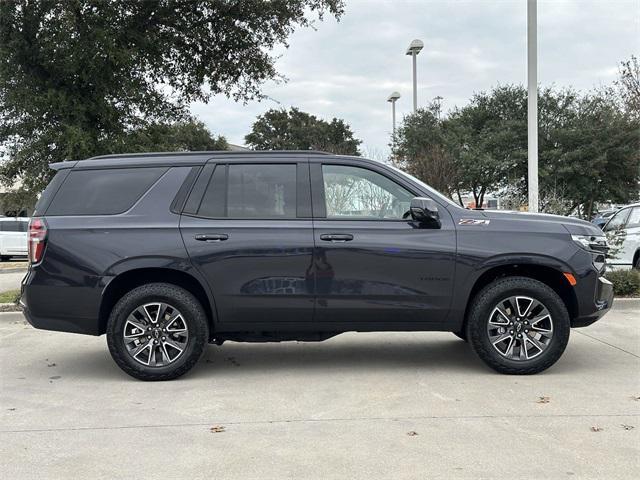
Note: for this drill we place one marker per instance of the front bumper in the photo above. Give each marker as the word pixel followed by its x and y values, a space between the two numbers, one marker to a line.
pixel 602 302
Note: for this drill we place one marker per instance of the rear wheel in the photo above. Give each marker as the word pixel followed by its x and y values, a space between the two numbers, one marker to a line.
pixel 518 325
pixel 157 332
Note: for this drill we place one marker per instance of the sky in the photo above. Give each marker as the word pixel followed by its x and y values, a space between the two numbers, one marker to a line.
pixel 348 68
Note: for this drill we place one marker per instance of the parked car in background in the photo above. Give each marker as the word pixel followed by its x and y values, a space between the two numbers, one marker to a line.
pixel 603 217
pixel 623 234
pixel 167 252
pixel 13 237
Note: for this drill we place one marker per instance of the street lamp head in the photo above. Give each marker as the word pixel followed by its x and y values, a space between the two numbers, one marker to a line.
pixel 415 47
pixel 393 97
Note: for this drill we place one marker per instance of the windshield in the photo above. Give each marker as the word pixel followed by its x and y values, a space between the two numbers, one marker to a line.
pixel 431 191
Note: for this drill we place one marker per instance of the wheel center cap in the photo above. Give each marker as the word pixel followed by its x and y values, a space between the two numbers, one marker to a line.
pixel 518 327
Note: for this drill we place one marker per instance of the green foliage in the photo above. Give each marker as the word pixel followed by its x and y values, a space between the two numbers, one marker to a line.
pixel 84 77
pixel 625 282
pixel 589 148
pixel 10 296
pixel 296 130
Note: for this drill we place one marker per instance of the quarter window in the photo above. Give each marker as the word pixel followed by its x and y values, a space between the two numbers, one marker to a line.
pixel 634 218
pixel 353 192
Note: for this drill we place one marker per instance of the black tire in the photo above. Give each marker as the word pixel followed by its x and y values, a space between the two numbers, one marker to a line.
pixel 461 335
pixel 193 314
pixel 5 258
pixel 637 264
pixel 487 299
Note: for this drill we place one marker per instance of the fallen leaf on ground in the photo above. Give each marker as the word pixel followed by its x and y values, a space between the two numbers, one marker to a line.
pixel 543 400
pixel 412 433
pixel 51 364
pixel 217 429
pixel 627 427
pixel 595 428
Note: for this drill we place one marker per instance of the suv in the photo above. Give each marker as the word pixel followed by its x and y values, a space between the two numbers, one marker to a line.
pixel 168 252
pixel 623 233
pixel 13 237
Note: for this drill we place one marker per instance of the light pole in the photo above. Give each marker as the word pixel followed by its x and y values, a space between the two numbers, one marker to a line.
pixel 413 50
pixel 393 98
pixel 532 103
pixel 438 102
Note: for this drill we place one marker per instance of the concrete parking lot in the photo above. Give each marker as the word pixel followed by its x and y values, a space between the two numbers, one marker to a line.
pixel 401 405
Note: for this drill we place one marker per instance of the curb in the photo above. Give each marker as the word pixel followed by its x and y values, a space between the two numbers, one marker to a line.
pixel 13 270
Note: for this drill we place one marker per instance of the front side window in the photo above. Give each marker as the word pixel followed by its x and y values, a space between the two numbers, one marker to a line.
pixel 634 218
pixel 359 193
pixel 251 191
pixel 618 220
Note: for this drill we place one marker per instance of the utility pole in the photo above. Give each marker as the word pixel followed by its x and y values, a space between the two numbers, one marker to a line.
pixel 532 103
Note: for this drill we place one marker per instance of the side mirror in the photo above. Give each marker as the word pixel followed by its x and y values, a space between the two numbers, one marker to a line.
pixel 425 210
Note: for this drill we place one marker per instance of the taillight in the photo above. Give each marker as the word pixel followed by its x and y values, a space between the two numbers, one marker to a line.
pixel 37 239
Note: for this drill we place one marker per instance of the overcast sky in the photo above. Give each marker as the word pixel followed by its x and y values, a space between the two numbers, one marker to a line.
pixel 347 69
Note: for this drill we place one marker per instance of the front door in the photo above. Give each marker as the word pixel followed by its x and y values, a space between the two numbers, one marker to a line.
pixel 247 228
pixel 373 266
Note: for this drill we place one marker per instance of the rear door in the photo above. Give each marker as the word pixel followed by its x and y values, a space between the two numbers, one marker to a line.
pixel 374 268
pixel 247 227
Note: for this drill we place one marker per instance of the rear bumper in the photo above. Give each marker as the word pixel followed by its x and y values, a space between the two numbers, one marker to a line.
pixel 597 307
pixel 61 308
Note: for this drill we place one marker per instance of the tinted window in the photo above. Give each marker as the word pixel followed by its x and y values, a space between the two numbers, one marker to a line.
pixel 618 220
pixel 102 192
pixel 353 192
pixel 49 192
pixel 14 226
pixel 251 191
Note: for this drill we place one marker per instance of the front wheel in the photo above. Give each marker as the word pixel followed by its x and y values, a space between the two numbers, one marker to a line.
pixel 518 325
pixel 157 331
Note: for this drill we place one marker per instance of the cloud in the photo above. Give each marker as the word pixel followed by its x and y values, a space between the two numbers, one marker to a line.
pixel 347 69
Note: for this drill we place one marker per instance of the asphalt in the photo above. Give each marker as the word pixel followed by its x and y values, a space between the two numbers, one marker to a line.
pixel 380 405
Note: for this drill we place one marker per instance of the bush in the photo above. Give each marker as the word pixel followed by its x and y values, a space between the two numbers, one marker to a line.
pixel 625 282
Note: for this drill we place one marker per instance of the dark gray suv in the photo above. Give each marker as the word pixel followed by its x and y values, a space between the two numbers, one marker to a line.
pixel 168 252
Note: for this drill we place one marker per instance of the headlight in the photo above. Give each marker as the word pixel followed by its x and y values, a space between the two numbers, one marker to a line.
pixel 596 245
pixel 593 243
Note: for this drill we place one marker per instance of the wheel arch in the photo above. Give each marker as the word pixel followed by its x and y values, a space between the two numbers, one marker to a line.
pixel 130 279
pixel 550 276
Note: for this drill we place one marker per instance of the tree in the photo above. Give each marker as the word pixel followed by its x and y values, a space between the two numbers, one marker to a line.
pixel 185 135
pixel 628 85
pixel 474 149
pixel 422 148
pixel 78 77
pixel 296 130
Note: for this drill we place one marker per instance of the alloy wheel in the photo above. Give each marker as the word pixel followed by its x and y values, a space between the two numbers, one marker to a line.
pixel 155 334
pixel 520 328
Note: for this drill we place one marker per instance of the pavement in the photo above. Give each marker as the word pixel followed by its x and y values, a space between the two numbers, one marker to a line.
pixel 10 281
pixel 379 405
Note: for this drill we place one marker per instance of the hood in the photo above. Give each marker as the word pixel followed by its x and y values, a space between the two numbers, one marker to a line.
pixel 572 225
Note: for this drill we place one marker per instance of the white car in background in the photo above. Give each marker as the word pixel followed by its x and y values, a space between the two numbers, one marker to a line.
pixel 623 234
pixel 13 237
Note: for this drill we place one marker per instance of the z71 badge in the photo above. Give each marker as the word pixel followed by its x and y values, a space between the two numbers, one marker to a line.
pixel 473 221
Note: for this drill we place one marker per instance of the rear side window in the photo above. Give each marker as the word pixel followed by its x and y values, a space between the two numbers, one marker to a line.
pixel 102 192
pixel 49 192
pixel 13 226
pixel 250 191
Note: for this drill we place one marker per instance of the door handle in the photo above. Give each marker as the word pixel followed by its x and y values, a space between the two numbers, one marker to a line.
pixel 336 237
pixel 211 237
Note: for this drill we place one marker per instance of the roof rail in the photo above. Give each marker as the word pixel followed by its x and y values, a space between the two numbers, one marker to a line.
pixel 212 152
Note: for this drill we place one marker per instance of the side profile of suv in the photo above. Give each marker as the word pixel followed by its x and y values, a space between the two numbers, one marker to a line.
pixel 168 252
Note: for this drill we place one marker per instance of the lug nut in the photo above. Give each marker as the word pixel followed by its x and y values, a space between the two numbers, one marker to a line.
pixel 519 335
pixel 155 341
pixel 511 331
pixel 526 330
pixel 148 329
pixel 164 338
pixel 149 337
pixel 526 322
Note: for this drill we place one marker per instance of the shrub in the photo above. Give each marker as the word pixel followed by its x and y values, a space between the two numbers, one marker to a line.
pixel 625 282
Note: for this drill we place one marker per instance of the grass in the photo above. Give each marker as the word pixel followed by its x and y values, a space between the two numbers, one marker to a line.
pixel 10 296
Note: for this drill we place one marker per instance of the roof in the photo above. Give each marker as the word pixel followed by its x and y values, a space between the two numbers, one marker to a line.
pixel 175 158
